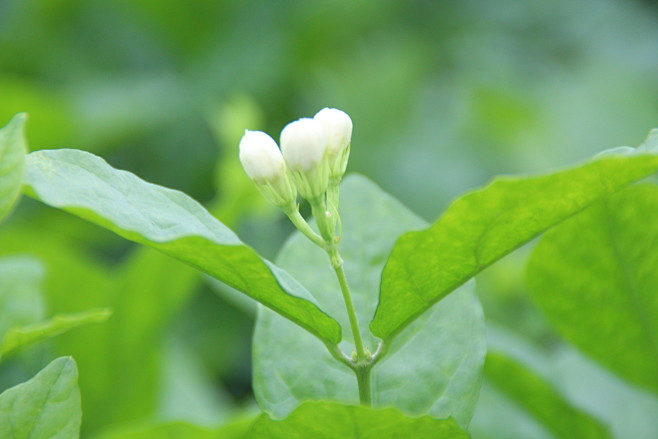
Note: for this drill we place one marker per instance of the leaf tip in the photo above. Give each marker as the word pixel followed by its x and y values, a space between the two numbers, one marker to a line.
pixel 17 123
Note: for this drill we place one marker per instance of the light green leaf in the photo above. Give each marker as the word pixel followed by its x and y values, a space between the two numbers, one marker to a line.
pixel 595 278
pixel 433 367
pixel 149 289
pixel 21 302
pixel 316 420
pixel 173 223
pixel 481 227
pixel 12 162
pixel 145 292
pixel 45 407
pixel 76 282
pixel 20 336
pixel 330 420
pixel 180 430
pixel 541 400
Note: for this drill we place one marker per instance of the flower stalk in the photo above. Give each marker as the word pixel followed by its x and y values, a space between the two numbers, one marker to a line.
pixel 312 160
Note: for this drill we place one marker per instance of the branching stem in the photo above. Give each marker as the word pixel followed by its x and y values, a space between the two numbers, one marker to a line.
pixel 327 221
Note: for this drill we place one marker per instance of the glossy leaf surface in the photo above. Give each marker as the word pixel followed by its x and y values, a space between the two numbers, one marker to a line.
pixel 481 227
pixel 171 222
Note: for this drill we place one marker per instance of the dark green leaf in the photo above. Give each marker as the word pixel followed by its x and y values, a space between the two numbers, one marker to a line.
pixel 483 226
pixel 541 400
pixel 595 278
pixel 173 223
pixel 12 162
pixel 45 407
pixel 433 367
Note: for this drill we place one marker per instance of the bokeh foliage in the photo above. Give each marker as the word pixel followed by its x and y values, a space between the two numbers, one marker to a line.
pixel 443 95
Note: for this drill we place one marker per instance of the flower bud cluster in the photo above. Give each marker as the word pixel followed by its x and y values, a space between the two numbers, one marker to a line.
pixel 313 155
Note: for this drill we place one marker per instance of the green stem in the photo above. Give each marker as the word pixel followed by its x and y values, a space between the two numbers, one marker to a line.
pixel 362 365
pixel 363 380
pixel 337 263
pixel 298 220
pixel 326 225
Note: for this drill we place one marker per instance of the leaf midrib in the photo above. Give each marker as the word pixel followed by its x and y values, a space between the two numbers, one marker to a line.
pixel 42 405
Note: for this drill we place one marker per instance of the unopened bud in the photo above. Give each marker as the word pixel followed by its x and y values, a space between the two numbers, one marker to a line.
pixel 264 164
pixel 337 127
pixel 338 130
pixel 260 156
pixel 303 144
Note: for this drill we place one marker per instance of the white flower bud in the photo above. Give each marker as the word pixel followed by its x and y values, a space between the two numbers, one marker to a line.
pixel 303 144
pixel 263 162
pixel 260 157
pixel 337 127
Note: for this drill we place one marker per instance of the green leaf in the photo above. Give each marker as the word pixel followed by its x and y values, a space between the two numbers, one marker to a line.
pixel 21 302
pixel 180 430
pixel 317 420
pixel 541 400
pixel 20 336
pixel 75 283
pixel 45 407
pixel 595 278
pixel 145 292
pixel 433 367
pixel 12 162
pixel 149 289
pixel 330 420
pixel 481 227
pixel 173 223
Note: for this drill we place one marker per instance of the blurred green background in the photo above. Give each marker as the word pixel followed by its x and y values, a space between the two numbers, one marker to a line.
pixel 443 95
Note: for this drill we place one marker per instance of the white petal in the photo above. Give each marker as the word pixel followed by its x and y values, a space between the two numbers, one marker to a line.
pixel 337 127
pixel 260 156
pixel 303 144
